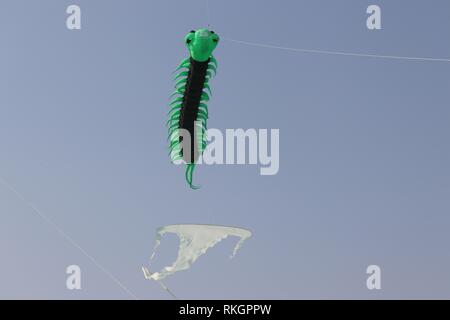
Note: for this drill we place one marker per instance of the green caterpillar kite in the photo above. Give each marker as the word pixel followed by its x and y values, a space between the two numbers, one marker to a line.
pixel 188 112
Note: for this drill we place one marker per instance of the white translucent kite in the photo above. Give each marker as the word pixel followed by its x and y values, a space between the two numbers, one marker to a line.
pixel 195 240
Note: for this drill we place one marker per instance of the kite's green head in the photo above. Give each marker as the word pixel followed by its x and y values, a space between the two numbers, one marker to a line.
pixel 201 44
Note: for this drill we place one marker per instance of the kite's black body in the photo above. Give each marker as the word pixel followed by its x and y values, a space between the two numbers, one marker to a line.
pixel 191 100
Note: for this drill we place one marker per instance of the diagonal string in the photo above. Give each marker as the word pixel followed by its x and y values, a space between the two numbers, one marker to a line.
pixel 67 237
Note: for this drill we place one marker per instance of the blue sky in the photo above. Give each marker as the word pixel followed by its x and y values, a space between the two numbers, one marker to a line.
pixel 364 158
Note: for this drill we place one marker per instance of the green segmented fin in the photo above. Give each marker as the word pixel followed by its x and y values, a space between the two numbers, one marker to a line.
pixel 175 121
pixel 182 81
pixel 181 67
pixel 175 115
pixel 189 173
pixel 174 144
pixel 172 120
pixel 174 136
pixel 205 97
pixel 207 87
pixel 204 145
pixel 174 94
pixel 176 156
pixel 204 111
pixel 202 115
pixel 213 61
pixel 173 155
pixel 175 107
pixel 179 91
pixel 174 112
pixel 176 100
pixel 188 59
pixel 201 132
pixel 181 87
pixel 212 68
pixel 184 61
pixel 173 126
pixel 201 124
pixel 174 152
pixel 174 148
pixel 183 64
pixel 181 74
pixel 171 132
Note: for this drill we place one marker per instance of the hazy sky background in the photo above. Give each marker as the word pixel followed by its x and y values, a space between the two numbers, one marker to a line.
pixel 364 171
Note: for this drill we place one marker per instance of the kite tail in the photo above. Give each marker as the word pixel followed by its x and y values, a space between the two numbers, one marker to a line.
pixel 189 173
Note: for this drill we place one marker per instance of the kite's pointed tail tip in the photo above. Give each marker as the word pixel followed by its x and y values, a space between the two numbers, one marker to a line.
pixel 189 173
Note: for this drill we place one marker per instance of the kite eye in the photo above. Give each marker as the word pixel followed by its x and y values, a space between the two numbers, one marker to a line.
pixel 188 41
pixel 212 32
pixel 215 40
pixel 192 31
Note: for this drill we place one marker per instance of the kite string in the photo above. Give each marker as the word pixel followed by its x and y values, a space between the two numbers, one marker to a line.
pixel 208 14
pixel 340 53
pixel 68 238
pixel 325 52
pixel 167 289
